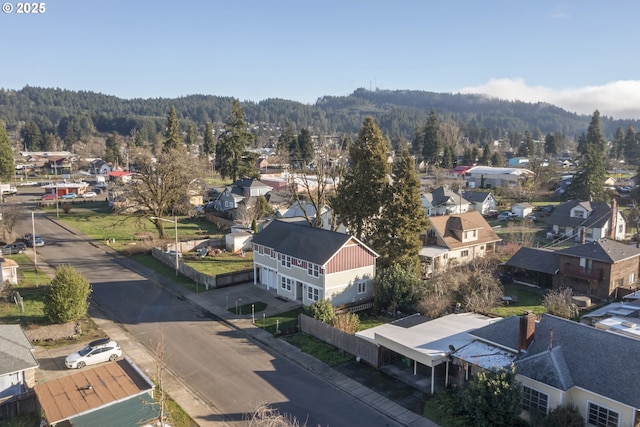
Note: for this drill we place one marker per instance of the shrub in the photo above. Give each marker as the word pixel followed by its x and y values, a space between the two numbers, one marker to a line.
pixel 565 416
pixel 347 322
pixel 323 311
pixel 67 296
pixel 559 302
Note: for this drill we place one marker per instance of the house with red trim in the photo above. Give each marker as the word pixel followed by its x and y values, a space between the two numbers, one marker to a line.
pixel 308 264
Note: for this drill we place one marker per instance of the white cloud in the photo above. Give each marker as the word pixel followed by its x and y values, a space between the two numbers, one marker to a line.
pixel 619 99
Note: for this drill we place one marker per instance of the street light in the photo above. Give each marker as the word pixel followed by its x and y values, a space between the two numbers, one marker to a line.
pixel 175 224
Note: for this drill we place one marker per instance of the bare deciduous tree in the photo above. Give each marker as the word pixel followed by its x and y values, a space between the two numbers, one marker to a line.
pixel 10 217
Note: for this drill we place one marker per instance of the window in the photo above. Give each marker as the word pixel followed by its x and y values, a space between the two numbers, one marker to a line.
pixel 285 261
pixel 601 417
pixel 313 293
pixel 313 270
pixel 464 253
pixel 285 283
pixel 620 228
pixel 533 400
pixel 475 233
pixel 362 287
pixel 632 278
pixel 578 214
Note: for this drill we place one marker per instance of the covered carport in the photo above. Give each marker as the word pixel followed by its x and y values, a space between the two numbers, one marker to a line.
pixel 424 341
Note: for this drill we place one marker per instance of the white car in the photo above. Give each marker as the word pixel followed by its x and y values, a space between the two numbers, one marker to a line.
pixel 97 351
pixel 90 195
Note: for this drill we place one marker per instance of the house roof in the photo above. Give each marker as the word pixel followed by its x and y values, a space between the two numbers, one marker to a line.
pixel 250 183
pixel 8 262
pixel 488 170
pixel 119 173
pixel 15 350
pixel 599 214
pixel 605 250
pixel 444 196
pixel 443 225
pixel 312 244
pixel 137 411
pixel 476 196
pixel 535 259
pixel 91 389
pixel 591 358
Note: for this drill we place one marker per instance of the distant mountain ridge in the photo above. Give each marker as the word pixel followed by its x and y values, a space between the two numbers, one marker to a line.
pixel 398 112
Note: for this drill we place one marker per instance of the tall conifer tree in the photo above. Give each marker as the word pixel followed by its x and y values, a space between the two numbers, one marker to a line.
pixel 174 135
pixel 233 142
pixel 361 194
pixel 402 219
pixel 588 183
pixel 7 165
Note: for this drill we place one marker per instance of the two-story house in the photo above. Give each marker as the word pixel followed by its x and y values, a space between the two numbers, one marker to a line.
pixel 604 269
pixel 250 187
pixel 585 221
pixel 560 362
pixel 309 264
pixel 443 201
pixel 456 239
pixel 481 201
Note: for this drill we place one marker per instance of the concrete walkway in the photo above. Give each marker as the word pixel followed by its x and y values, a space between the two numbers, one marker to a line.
pixel 218 302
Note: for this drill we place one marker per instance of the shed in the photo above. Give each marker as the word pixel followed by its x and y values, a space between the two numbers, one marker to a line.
pixel 522 209
pixel 238 241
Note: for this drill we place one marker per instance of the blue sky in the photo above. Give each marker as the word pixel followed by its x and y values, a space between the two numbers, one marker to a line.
pixel 581 55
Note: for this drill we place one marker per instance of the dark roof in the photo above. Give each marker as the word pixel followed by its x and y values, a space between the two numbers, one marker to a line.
pixel 445 196
pixel 476 196
pixel 302 241
pixel 249 183
pixel 541 260
pixel 589 358
pixel 605 250
pixel 599 214
pixel 15 350
pixel 136 411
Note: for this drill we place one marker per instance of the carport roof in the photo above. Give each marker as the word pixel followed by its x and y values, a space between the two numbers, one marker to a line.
pixel 427 341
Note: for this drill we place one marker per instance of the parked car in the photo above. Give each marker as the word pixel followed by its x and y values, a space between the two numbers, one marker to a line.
pixel 491 214
pixel 531 217
pixel 14 248
pixel 32 240
pixel 97 351
pixel 90 195
pixel 69 196
pixel 507 216
pixel 173 253
pixel 49 196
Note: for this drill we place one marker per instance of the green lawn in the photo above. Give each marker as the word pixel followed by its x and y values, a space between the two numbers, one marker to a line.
pixel 222 263
pixel 158 266
pixel 527 299
pixel 247 308
pixel 281 321
pixel 31 287
pixel 327 353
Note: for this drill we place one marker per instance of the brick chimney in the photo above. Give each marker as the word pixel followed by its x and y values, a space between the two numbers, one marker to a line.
pixel 527 328
pixel 613 224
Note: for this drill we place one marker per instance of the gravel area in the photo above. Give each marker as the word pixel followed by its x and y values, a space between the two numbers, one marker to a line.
pixel 52 332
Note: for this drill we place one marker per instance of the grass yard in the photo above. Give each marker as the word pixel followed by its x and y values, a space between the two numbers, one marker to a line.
pixel 96 220
pixel 225 262
pixel 282 320
pixel 31 287
pixel 527 299
pixel 368 322
pixel 319 349
pixel 165 270
pixel 246 308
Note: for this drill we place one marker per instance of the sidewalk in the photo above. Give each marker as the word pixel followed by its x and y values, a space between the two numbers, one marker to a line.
pixel 217 302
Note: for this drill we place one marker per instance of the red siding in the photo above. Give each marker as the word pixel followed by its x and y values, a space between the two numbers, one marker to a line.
pixel 349 257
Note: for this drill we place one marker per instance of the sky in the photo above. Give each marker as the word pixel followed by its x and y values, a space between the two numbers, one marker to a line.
pixel 581 55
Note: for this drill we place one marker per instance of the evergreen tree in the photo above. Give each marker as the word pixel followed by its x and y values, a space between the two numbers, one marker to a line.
pixel 551 144
pixel 432 145
pixel 588 182
pixel 48 142
pixel 402 219
pixel 617 144
pixel 448 157
pixel 209 142
pixel 287 144
pixel 173 137
pixel 305 145
pixel 396 288
pixel 7 165
pixel 486 155
pixel 31 136
pixel 192 136
pixel 67 296
pixel 113 149
pixel 497 160
pixel 631 151
pixel 361 194
pixel 233 142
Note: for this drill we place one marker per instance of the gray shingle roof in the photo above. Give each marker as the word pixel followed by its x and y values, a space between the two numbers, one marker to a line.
pixel 15 350
pixel 475 196
pixel 541 260
pixel 605 250
pixel 302 241
pixel 593 359
pixel 600 213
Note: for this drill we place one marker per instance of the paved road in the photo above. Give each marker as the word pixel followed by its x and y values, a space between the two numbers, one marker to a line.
pixel 229 372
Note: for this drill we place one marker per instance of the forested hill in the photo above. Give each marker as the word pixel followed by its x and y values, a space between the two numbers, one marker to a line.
pixel 398 113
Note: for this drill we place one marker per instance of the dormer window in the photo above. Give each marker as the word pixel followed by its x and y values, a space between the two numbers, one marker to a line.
pixel 578 214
